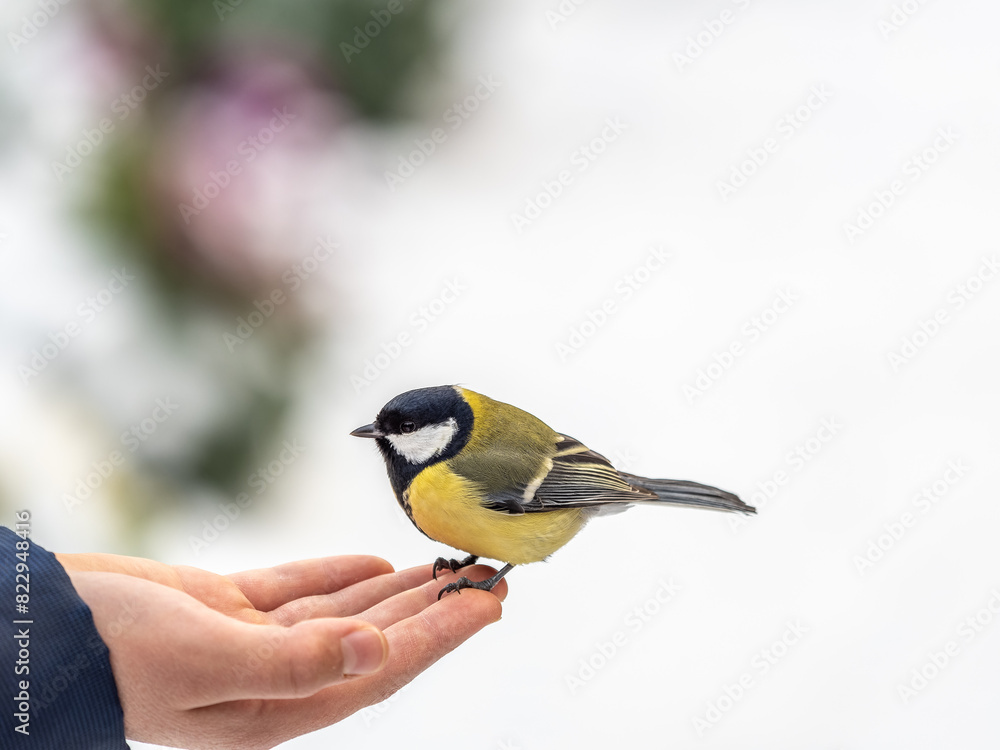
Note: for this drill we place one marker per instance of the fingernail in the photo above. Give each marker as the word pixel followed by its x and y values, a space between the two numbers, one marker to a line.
pixel 364 651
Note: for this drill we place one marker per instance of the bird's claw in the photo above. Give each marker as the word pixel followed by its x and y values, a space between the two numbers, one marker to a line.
pixel 465 583
pixel 453 565
pixel 457 586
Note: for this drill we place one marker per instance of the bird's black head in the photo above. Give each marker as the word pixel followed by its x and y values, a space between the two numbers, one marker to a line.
pixel 419 428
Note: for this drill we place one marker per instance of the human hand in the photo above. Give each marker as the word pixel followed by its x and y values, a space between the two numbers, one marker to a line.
pixel 255 658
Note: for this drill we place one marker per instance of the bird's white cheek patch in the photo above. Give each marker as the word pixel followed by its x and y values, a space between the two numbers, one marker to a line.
pixel 426 443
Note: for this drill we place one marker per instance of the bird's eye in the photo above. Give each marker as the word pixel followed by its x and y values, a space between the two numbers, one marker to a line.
pixel 407 427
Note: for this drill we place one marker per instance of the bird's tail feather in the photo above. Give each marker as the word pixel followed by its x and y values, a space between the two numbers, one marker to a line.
pixel 682 492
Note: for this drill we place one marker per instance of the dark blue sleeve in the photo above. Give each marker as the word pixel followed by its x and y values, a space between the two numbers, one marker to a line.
pixel 58 690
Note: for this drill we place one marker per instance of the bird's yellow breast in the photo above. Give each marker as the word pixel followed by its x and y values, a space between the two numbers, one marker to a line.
pixel 446 506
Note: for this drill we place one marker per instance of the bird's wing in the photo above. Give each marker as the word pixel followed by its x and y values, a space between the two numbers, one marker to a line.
pixel 573 477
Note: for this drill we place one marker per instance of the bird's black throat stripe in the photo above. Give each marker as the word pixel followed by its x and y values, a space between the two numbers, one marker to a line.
pixel 403 499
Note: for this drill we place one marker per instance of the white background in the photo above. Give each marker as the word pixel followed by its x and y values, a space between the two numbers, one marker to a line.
pixel 898 428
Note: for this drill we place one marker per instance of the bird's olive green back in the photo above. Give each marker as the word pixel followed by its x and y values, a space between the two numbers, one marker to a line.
pixel 497 457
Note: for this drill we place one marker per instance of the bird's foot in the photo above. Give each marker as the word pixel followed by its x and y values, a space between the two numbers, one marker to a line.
pixel 453 565
pixel 465 583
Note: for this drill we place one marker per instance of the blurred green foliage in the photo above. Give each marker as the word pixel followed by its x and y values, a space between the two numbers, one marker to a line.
pixel 408 43
pixel 373 73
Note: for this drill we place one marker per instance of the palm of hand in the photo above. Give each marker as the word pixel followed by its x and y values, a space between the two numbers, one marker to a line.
pixel 255 658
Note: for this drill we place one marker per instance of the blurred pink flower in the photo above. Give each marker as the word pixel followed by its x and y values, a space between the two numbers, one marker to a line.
pixel 234 161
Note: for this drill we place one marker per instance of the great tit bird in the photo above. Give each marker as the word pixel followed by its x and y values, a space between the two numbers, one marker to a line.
pixel 497 482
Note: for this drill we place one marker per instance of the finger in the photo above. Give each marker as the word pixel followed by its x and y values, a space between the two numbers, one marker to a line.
pixel 414 644
pixel 200 657
pixel 388 598
pixel 348 602
pixel 268 661
pixel 416 600
pixel 269 588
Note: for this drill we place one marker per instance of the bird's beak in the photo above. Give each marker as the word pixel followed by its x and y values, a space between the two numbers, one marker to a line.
pixel 367 431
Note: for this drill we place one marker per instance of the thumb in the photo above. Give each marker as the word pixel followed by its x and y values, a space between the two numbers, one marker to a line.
pixel 271 661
